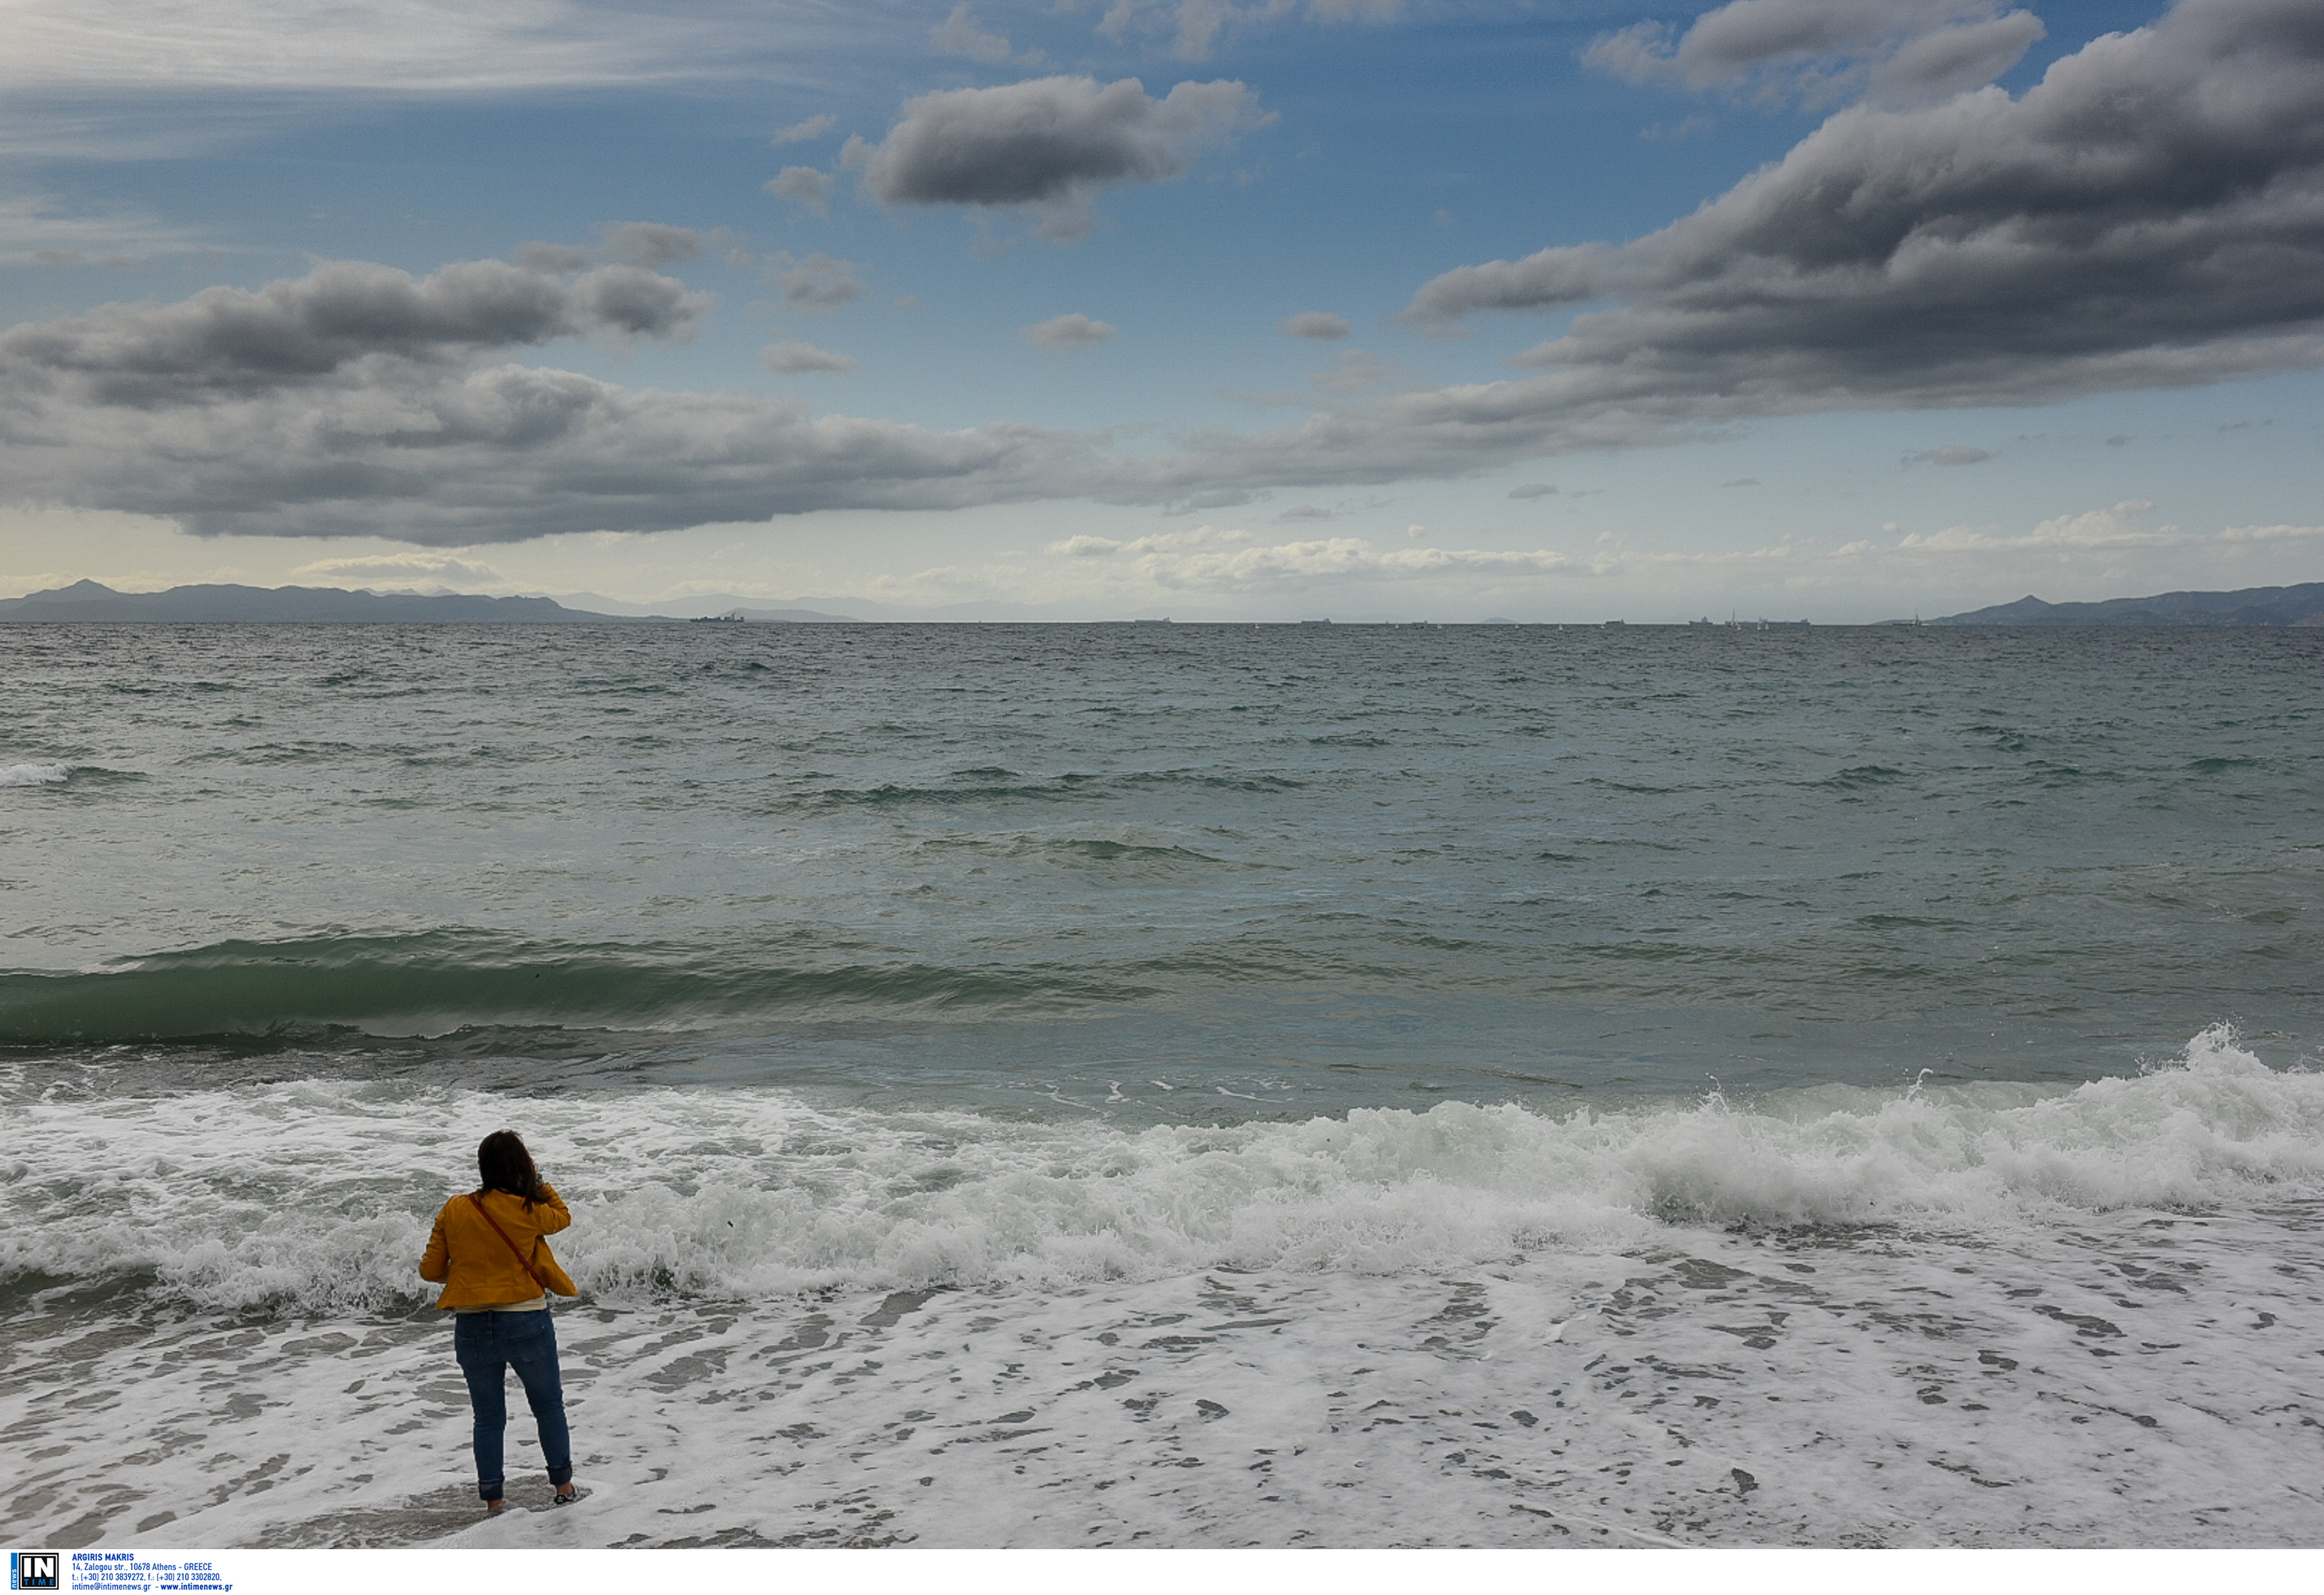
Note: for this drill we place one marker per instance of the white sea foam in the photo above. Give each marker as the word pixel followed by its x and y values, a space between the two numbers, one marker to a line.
pixel 1994 1316
pixel 317 1195
pixel 33 775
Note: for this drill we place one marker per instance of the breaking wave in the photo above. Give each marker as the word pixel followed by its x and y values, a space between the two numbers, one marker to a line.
pixel 315 1196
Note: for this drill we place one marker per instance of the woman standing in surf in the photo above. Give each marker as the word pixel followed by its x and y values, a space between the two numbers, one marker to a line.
pixel 490 1252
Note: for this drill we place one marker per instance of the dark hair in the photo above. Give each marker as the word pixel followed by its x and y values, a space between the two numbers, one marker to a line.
pixel 503 1165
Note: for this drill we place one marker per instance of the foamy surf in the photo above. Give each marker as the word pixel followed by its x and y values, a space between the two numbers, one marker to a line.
pixel 33 775
pixel 1985 1316
pixel 312 1196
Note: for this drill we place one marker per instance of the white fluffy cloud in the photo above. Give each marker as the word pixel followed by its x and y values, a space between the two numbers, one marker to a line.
pixel 2116 527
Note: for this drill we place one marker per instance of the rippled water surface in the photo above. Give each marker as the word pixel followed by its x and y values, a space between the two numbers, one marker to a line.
pixel 1318 865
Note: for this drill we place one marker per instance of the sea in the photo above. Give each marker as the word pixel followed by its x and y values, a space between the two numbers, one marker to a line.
pixel 1173 1085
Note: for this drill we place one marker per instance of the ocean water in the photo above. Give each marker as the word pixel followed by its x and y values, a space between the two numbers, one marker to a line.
pixel 1174 1085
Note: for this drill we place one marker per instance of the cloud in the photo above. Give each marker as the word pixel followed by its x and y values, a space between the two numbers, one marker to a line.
pixel 2150 215
pixel 800 133
pixel 1048 143
pixel 1196 26
pixel 357 400
pixel 1532 490
pixel 1954 454
pixel 1318 325
pixel 1225 561
pixel 232 341
pixel 1902 51
pixel 803 185
pixel 1072 330
pixel 36 229
pixel 391 45
pixel 633 301
pixel 1357 370
pixel 801 358
pixel 636 244
pixel 959 35
pixel 2115 527
pixel 411 565
pixel 2271 534
pixel 556 260
pixel 819 283
pixel 653 244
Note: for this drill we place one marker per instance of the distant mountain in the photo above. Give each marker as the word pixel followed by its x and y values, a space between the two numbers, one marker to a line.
pixel 2251 606
pixel 93 601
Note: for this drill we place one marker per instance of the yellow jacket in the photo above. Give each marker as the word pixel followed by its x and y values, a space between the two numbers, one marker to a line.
pixel 477 1269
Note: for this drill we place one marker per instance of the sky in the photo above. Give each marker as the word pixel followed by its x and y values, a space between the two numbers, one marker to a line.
pixel 1215 309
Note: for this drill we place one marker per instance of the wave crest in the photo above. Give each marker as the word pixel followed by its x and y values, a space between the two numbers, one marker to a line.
pixel 317 1196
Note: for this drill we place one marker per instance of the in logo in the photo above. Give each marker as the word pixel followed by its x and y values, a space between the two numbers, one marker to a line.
pixel 34 1569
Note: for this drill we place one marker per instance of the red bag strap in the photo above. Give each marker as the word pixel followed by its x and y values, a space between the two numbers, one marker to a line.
pixel 477 1202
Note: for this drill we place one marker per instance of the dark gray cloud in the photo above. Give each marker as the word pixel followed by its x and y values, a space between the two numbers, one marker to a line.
pixel 1904 51
pixel 640 303
pixel 1957 454
pixel 819 283
pixel 507 453
pixel 228 341
pixel 1048 142
pixel 2150 214
pixel 1320 325
pixel 1532 490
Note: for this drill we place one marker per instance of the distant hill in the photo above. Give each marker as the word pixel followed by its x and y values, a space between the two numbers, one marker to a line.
pixel 93 601
pixel 2251 606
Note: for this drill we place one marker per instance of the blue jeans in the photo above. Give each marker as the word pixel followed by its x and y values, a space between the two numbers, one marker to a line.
pixel 488 1344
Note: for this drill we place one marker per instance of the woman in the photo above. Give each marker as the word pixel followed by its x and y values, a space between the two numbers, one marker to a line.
pixel 489 1252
